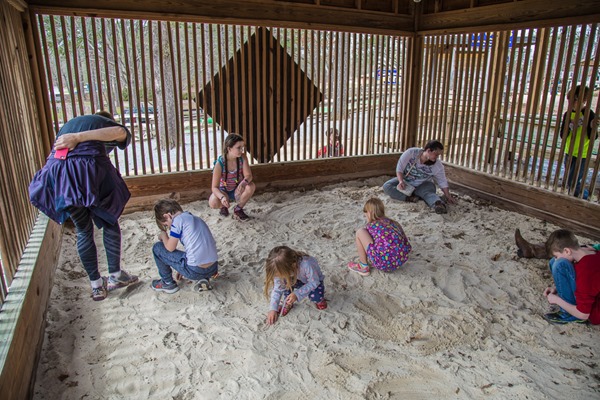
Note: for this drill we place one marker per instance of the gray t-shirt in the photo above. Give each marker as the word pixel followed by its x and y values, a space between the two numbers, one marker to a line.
pixel 196 238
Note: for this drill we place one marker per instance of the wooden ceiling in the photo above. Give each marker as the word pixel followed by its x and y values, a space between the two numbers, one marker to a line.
pixel 374 16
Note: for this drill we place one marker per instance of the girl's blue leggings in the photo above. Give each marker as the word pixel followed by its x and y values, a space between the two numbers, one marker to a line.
pixel 86 247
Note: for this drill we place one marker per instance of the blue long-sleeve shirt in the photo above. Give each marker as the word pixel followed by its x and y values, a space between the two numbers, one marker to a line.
pixel 309 273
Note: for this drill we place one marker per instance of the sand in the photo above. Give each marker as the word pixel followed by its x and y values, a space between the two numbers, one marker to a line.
pixel 462 320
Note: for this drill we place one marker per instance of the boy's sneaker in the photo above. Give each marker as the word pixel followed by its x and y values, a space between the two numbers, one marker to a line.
pixel 202 285
pixel 125 279
pixel 560 319
pixel 321 305
pixel 239 214
pixel 224 211
pixel 160 286
pixel 356 267
pixel 100 293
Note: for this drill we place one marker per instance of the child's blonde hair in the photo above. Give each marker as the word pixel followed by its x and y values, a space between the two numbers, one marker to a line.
pixel 374 209
pixel 559 240
pixel 282 263
pixel 162 207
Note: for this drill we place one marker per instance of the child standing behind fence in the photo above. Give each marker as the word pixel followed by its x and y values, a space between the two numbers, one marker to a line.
pixel 576 126
pixel 293 275
pixel 199 260
pixel 382 242
pixel 232 179
pixel 335 148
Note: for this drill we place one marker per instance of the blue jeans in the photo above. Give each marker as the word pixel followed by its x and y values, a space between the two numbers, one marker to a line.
pixel 571 174
pixel 167 260
pixel 86 246
pixel 563 273
pixel 426 191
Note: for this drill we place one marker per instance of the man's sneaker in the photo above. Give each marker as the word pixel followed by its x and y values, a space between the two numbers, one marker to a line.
pixel 439 207
pixel 160 286
pixel 321 305
pixel 239 214
pixel 560 319
pixel 224 211
pixel 100 293
pixel 125 279
pixel 202 285
pixel 356 267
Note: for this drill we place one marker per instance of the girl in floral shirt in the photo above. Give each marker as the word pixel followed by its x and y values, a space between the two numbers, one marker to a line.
pixel 381 243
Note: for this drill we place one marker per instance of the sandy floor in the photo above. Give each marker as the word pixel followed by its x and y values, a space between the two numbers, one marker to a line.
pixel 462 320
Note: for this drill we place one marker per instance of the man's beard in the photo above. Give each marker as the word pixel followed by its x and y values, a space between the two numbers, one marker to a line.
pixel 429 162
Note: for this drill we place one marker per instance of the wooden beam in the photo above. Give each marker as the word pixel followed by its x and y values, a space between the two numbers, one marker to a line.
pixel 23 316
pixel 580 216
pixel 513 15
pixel 268 177
pixel 261 13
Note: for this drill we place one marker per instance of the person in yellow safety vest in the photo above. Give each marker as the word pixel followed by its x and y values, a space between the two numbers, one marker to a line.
pixel 576 147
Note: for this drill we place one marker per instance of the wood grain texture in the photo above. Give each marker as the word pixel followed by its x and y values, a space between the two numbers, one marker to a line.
pixel 263 13
pixel 24 313
pixel 527 13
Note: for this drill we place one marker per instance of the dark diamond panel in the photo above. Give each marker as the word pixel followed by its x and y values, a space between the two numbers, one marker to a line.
pixel 278 95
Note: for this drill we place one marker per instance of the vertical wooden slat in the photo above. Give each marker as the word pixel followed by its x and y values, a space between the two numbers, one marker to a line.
pixel 582 163
pixel 58 71
pixel 204 105
pixel 520 126
pixel 274 137
pixel 350 147
pixel 50 80
pixel 317 79
pixel 136 120
pixel 88 64
pixel 119 90
pixel 188 75
pixel 305 109
pixel 244 86
pixel 380 85
pixel 73 23
pixel 552 84
pixel 227 94
pixel 211 73
pixel 297 96
pixel 250 74
pixel 263 95
pixel 148 134
pixel 157 131
pixel 336 83
pixel 132 147
pixel 535 121
pixel 97 65
pixel 68 60
pixel 178 84
pixel 161 63
pixel 350 79
pixel 484 120
pixel 496 113
pixel 516 108
pixel 193 95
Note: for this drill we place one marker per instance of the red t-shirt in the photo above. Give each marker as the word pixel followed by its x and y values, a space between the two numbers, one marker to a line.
pixel 587 286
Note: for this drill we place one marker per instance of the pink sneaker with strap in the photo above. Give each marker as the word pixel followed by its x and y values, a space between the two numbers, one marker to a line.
pixel 363 270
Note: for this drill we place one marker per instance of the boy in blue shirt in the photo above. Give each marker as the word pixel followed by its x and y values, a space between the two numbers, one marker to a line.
pixel 199 261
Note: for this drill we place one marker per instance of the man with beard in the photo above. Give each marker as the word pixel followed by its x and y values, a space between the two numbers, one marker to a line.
pixel 416 172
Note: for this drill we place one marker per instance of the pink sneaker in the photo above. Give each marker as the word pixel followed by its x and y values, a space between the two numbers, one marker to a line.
pixel 356 267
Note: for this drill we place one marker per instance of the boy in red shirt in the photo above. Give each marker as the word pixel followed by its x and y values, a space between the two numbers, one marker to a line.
pixel 576 273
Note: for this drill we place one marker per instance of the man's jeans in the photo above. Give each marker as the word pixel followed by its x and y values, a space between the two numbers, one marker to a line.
pixel 426 191
pixel 563 273
pixel 177 259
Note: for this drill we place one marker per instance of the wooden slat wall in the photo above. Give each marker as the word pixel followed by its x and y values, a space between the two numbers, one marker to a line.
pixel 362 78
pixel 22 144
pixel 504 100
